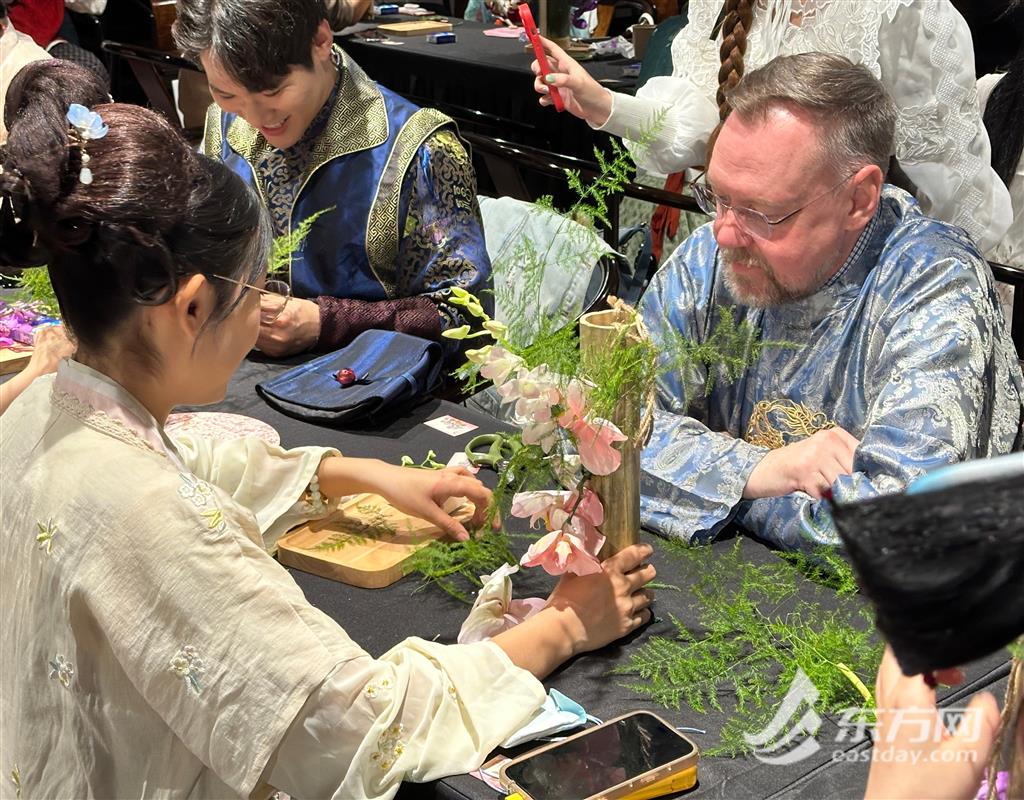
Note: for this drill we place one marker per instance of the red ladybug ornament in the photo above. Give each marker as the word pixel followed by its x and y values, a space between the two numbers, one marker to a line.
pixel 345 377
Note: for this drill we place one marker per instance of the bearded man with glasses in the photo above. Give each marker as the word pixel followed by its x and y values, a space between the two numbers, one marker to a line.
pixel 899 360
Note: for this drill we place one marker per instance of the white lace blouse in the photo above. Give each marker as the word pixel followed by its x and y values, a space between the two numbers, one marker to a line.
pixel 922 52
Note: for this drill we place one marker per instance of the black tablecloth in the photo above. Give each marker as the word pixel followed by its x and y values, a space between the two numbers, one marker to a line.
pixel 486 74
pixel 379 619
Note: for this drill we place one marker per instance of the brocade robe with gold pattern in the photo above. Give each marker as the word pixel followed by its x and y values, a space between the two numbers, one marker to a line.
pixel 400 225
pixel 905 348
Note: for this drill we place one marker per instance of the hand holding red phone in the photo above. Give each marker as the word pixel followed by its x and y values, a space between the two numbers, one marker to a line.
pixel 538 50
pixel 562 82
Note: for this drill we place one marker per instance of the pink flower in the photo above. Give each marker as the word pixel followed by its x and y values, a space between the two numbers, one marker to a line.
pixel 536 505
pixel 500 364
pixel 536 386
pixel 560 552
pixel 594 440
pixel 571 544
pixel 594 436
pixel 543 433
pixel 494 610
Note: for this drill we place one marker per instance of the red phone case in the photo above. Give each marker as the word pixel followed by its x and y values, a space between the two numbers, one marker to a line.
pixel 538 50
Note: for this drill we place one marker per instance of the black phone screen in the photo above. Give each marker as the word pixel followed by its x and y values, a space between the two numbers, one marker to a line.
pixel 608 756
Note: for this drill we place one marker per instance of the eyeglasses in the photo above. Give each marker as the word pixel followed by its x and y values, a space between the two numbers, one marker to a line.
pixel 274 296
pixel 749 221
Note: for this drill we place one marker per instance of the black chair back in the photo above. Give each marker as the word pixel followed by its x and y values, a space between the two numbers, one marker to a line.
pixel 154 70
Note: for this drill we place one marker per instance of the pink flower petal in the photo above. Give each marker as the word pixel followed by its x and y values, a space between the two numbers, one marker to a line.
pixel 536 504
pixel 594 441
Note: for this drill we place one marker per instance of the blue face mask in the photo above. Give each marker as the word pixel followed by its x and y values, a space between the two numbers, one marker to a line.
pixel 558 714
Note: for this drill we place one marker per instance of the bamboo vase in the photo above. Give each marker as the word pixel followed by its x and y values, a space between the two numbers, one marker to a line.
pixel 620 491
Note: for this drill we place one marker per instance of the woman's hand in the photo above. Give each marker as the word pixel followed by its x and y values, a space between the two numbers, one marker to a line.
pixel 49 346
pixel 607 605
pixel 423 493
pixel 907 761
pixel 583 96
pixel 583 613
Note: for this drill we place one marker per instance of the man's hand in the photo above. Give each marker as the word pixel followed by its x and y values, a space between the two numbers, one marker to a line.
pixel 810 466
pixel 295 331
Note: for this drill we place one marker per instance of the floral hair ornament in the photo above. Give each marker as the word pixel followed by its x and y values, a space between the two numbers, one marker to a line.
pixel 86 125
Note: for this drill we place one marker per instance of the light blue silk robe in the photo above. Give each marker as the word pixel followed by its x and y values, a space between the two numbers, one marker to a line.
pixel 904 347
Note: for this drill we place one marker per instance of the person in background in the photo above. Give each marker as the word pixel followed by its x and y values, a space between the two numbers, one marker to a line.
pixel 152 647
pixel 344 13
pixel 300 121
pixel 943 565
pixel 1002 105
pixel 921 51
pixel 45 22
pixel 16 50
pixel 194 96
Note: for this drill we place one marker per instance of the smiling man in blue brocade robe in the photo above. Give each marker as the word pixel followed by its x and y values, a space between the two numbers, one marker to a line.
pixel 302 123
pixel 898 360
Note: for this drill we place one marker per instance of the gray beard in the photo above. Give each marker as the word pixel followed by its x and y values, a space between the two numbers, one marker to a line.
pixel 771 293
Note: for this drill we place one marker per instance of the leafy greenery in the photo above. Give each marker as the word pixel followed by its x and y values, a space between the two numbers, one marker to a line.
pixel 754 632
pixel 521 298
pixel 627 369
pixel 372 524
pixel 613 175
pixel 827 567
pixel 287 243
pixel 1017 649
pixel 452 566
pixel 727 352
pixel 339 541
pixel 34 285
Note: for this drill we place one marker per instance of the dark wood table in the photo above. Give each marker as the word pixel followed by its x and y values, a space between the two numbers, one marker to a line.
pixel 379 619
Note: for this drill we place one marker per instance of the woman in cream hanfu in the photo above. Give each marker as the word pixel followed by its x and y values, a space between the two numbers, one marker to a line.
pixel 151 647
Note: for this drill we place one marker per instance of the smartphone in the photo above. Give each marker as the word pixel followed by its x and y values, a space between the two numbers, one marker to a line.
pixel 632 756
pixel 538 50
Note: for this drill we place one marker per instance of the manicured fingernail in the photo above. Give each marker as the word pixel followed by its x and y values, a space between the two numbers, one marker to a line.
pixel 549 78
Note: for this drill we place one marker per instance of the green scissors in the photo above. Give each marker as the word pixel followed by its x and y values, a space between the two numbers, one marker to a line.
pixel 492 450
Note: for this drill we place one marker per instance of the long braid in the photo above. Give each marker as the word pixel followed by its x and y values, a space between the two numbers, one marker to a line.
pixel 738 16
pixel 1004 755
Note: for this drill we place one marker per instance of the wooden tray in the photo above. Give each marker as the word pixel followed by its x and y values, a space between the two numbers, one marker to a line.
pixel 364 543
pixel 13 360
pixel 415 27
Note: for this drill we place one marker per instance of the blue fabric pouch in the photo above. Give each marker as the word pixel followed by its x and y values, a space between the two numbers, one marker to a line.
pixel 392 371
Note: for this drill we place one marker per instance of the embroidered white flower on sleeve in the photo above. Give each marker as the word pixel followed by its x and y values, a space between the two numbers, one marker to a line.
pixel 200 494
pixel 188 666
pixel 62 670
pixel 389 747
